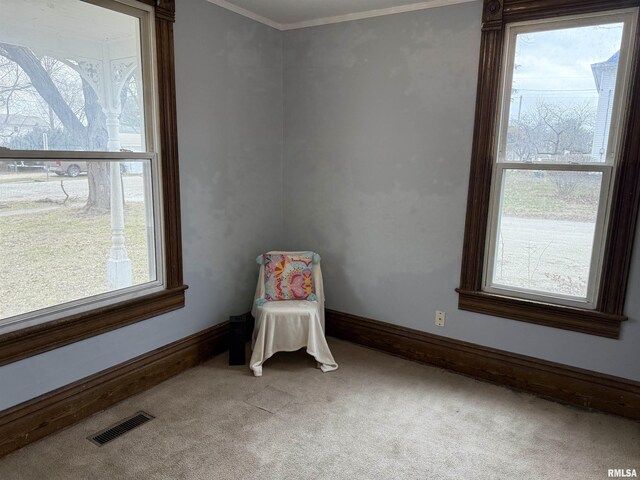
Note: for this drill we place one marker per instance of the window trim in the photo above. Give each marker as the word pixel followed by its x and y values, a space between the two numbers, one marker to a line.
pixel 36 339
pixel 607 316
pixel 606 168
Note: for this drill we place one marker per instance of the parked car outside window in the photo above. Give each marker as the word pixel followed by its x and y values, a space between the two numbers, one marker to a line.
pixel 71 168
pixel 24 166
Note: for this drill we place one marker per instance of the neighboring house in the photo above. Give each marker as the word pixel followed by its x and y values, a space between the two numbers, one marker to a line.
pixel 13 125
pixel 16 124
pixel 605 74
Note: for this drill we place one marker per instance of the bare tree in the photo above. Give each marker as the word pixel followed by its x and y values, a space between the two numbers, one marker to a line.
pixel 552 129
pixel 43 83
pixel 98 173
pixel 565 128
pixel 12 81
pixel 129 98
pixel 92 136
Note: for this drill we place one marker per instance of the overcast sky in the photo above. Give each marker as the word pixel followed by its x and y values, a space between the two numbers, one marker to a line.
pixel 557 64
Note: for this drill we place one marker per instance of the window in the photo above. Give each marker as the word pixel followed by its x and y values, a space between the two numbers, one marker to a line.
pixel 89 223
pixel 556 148
pixel 549 228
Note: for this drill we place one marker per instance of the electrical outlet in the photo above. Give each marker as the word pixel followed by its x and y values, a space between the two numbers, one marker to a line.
pixel 439 318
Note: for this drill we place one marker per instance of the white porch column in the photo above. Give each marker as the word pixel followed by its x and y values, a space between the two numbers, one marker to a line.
pixel 119 272
pixel 107 76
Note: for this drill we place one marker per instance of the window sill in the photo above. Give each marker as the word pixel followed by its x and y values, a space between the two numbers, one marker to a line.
pixel 567 318
pixel 31 341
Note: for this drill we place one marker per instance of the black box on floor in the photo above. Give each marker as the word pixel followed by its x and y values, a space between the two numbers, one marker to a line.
pixel 237 335
pixel 249 325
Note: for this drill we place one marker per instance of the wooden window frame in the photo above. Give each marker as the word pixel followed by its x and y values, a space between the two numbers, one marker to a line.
pixel 607 317
pixel 33 340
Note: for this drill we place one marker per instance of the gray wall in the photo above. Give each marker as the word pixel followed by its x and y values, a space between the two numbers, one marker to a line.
pixel 378 118
pixel 378 126
pixel 229 96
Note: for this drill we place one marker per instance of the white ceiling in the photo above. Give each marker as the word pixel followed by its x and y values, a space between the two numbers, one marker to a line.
pixel 291 14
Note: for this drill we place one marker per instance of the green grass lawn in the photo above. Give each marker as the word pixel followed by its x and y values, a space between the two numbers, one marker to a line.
pixel 530 196
pixel 39 176
pixel 39 204
pixel 60 255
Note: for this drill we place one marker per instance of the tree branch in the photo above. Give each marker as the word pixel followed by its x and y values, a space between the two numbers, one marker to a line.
pixel 43 83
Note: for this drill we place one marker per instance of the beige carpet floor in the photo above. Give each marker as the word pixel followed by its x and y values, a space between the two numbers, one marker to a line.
pixel 377 417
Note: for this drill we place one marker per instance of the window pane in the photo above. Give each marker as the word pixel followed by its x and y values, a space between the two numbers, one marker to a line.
pixel 70 77
pixel 62 237
pixel 562 94
pixel 546 231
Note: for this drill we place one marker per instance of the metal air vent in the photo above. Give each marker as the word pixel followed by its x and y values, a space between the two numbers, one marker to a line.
pixel 120 428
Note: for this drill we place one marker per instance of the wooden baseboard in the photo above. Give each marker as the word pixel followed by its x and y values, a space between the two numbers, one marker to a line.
pixel 550 380
pixel 48 413
pixel 53 411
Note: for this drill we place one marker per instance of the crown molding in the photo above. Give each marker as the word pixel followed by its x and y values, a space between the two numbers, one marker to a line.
pixel 373 13
pixel 247 13
pixel 338 18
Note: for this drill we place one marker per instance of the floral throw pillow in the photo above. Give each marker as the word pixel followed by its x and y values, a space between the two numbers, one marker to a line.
pixel 288 277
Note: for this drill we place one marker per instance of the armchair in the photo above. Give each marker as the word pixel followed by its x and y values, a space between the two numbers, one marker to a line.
pixel 290 315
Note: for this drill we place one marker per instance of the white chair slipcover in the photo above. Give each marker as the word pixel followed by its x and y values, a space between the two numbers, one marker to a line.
pixel 289 325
